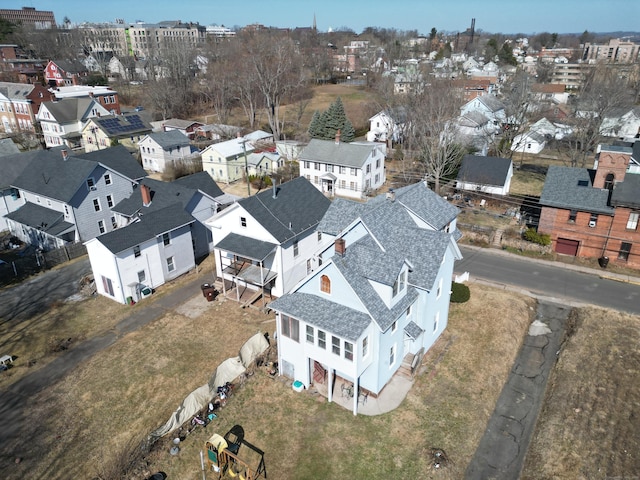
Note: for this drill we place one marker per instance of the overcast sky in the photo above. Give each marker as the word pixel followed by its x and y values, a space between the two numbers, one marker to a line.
pixel 515 16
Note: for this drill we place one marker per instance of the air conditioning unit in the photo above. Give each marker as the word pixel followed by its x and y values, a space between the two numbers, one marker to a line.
pixel 93 188
pixel 592 223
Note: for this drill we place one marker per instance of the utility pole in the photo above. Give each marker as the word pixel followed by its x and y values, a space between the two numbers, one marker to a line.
pixel 244 141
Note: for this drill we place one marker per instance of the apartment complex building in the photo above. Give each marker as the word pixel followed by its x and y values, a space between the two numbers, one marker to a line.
pixel 40 19
pixel 141 40
pixel 616 51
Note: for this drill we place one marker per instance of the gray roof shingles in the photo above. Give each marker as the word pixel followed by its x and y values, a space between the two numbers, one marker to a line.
pixel 336 153
pixel 246 246
pixel 170 139
pixel 43 218
pixel 201 181
pixel 150 225
pixel 572 189
pixel 484 170
pixel 297 207
pixel 118 159
pixel 627 192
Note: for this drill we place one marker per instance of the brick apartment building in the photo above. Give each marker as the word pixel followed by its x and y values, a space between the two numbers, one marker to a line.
pixel 594 213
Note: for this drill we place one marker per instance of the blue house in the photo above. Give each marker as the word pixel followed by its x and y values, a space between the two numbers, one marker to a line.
pixel 379 295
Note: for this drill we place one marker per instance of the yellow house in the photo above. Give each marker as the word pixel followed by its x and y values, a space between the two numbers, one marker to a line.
pixel 104 131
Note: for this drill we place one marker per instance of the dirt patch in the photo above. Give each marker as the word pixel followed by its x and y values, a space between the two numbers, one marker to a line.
pixel 588 426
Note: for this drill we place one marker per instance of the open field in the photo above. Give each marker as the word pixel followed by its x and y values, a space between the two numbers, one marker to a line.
pixel 80 427
pixel 588 427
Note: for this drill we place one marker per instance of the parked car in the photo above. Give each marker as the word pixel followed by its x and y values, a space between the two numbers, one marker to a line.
pixel 139 108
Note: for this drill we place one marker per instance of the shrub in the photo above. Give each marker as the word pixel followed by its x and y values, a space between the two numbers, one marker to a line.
pixel 532 235
pixel 460 293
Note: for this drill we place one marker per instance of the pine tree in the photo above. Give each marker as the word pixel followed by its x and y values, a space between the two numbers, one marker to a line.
pixel 325 125
pixel 316 127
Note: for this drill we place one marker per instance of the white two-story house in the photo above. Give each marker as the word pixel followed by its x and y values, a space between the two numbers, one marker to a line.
pixel 130 262
pixel 265 243
pixel 62 120
pixel 161 150
pixel 380 293
pixel 344 169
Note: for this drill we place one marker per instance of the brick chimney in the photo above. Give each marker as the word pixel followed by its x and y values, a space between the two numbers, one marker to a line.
pixel 340 246
pixel 338 137
pixel 65 154
pixel 146 195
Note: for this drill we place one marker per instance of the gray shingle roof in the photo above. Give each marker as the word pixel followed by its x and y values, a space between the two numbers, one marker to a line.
pixel 413 330
pixel 562 190
pixel 69 110
pixel 170 139
pixel 627 192
pixel 344 154
pixel 416 198
pixel 43 218
pixel 12 166
pixel 323 314
pixel 118 159
pixel 246 247
pixel 163 194
pixel 52 176
pixel 150 226
pixel 481 170
pixel 7 147
pixel 491 102
pixel 201 181
pixel 426 204
pixel 298 206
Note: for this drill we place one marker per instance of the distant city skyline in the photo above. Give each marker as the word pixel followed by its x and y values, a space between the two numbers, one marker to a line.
pixel 518 16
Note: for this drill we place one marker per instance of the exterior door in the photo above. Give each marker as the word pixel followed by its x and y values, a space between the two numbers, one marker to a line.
pixel 319 373
pixel 566 246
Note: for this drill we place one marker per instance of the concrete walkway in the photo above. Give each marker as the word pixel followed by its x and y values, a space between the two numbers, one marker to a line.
pixel 502 449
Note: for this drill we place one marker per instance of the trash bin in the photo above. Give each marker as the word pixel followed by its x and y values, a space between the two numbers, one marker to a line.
pixel 129 300
pixel 209 292
pixel 603 261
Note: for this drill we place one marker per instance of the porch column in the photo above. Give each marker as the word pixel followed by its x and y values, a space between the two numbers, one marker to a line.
pixel 262 282
pixel 224 290
pixel 330 386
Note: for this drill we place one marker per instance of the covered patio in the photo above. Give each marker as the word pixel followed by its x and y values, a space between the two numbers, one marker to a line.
pixel 245 278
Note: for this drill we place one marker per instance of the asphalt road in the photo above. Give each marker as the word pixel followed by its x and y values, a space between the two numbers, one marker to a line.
pixel 555 282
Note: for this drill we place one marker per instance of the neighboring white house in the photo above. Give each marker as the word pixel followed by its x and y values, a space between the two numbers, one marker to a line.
pixel 289 149
pixel 62 120
pixel 387 126
pixel 161 150
pixel 378 299
pixel 489 106
pixel 624 124
pixel 264 163
pixel 344 169
pixel 528 142
pixel 490 175
pixel 265 243
pixel 227 161
pixel 129 262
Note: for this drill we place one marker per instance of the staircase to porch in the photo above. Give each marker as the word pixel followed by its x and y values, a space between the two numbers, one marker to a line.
pixel 406 369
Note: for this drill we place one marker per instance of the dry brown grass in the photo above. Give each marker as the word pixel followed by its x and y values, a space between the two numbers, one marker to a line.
pixel 83 424
pixel 588 427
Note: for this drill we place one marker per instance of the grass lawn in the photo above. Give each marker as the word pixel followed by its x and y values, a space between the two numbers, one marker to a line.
pixel 588 427
pixel 81 427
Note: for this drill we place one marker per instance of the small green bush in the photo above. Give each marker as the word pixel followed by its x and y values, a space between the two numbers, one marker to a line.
pixel 460 293
pixel 532 235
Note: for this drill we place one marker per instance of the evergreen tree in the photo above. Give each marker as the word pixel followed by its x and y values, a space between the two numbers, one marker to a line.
pixel 325 125
pixel 316 127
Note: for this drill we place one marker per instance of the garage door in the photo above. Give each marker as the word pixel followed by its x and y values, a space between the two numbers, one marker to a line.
pixel 567 247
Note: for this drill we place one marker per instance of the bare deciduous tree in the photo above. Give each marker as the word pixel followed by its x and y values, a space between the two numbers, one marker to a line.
pixel 601 94
pixel 431 141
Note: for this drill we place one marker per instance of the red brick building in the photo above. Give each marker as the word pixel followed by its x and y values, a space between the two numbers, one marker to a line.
pixel 595 213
